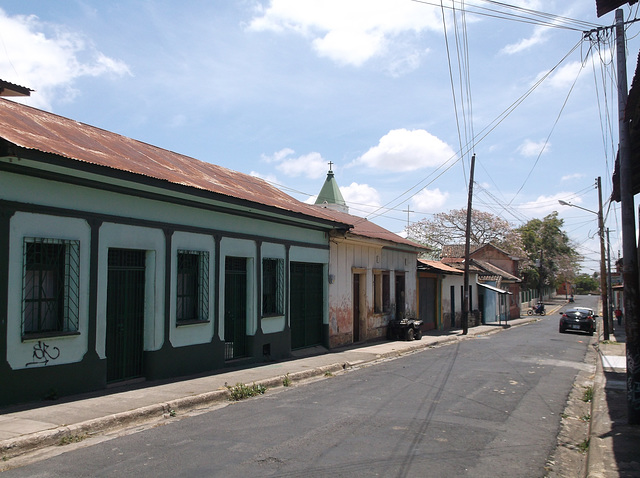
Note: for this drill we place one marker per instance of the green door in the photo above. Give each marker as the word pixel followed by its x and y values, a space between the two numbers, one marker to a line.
pixel 428 290
pixel 125 314
pixel 307 304
pixel 235 308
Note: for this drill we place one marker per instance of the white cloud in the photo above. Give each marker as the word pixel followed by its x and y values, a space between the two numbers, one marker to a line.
pixel 46 58
pixel 346 32
pixel 362 199
pixel 406 150
pixel 538 37
pixel 544 205
pixel 429 200
pixel 570 177
pixel 563 77
pixel 270 178
pixel 533 148
pixel 278 155
pixel 312 165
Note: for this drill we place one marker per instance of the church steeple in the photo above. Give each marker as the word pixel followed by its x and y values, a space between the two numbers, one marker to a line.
pixel 330 195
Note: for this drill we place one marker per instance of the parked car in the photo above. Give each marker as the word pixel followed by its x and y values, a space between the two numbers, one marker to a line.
pixel 578 318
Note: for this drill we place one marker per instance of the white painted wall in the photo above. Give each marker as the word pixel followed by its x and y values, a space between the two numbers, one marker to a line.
pixel 71 348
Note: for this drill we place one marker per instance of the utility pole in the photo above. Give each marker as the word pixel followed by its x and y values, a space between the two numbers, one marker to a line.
pixel 465 288
pixel 540 279
pixel 408 211
pixel 609 285
pixel 629 248
pixel 603 266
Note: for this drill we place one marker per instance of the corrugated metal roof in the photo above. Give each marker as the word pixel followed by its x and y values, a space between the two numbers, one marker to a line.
pixel 439 266
pixel 495 270
pixel 39 130
pixel 364 228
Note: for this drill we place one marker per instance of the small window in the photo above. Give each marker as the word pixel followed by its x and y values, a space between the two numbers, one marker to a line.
pixel 272 287
pixel 50 288
pixel 192 302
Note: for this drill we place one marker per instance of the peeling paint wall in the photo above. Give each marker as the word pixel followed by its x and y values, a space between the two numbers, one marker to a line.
pixel 348 258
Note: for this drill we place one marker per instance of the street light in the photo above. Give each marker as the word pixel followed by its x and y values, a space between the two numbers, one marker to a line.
pixel 603 268
pixel 565 203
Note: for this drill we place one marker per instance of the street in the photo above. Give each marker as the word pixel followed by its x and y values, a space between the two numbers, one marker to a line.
pixel 489 406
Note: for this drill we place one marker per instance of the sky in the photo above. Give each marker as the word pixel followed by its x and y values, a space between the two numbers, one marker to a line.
pixel 396 94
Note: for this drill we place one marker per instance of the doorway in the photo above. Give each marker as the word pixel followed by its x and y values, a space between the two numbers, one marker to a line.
pixel 125 314
pixel 235 308
pixel 400 292
pixel 307 304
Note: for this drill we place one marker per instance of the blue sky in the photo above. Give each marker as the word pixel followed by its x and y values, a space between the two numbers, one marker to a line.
pixel 279 88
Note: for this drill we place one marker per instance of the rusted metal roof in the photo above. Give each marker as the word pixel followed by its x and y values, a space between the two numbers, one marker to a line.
pixel 38 130
pixel 438 266
pixel 364 228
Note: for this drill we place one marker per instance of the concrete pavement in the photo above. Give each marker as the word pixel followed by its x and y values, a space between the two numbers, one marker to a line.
pixel 36 426
pixel 614 446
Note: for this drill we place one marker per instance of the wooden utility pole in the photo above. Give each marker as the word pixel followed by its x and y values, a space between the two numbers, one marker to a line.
pixel 465 303
pixel 629 248
pixel 603 266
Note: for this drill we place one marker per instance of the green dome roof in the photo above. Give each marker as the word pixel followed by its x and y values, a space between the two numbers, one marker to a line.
pixel 330 192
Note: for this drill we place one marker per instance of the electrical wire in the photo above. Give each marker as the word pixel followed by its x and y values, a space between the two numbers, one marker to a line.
pixel 524 16
pixel 555 123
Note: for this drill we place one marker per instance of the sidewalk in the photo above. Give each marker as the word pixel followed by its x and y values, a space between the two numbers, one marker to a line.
pixel 35 426
pixel 614 447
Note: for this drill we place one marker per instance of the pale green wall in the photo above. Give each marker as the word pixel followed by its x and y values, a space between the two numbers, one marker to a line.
pixel 72 348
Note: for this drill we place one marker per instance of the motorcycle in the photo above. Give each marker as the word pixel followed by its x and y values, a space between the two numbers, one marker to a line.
pixel 538 310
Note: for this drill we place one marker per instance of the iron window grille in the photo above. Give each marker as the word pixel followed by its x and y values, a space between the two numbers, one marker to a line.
pixel 192 302
pixel 272 287
pixel 50 286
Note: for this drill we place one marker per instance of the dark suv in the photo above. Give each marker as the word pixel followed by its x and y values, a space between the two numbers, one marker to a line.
pixel 578 319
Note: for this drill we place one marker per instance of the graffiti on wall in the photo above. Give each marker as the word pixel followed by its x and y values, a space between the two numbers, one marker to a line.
pixel 43 353
pixel 633 387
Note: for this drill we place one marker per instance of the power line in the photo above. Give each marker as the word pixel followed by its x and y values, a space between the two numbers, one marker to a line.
pixel 524 15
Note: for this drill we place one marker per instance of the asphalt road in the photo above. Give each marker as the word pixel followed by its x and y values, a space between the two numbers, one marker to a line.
pixel 484 407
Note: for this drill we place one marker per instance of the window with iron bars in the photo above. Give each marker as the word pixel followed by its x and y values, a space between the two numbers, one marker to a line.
pixel 192 303
pixel 50 286
pixel 272 287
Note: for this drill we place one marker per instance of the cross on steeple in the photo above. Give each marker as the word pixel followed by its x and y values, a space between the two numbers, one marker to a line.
pixel 330 165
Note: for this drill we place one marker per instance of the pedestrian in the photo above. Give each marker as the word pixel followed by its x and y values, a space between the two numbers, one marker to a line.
pixel 618 313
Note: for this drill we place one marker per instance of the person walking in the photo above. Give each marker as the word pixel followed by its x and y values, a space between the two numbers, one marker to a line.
pixel 618 314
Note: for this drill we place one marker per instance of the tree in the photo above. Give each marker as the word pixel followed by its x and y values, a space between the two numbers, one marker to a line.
pixel 586 284
pixel 447 228
pixel 551 257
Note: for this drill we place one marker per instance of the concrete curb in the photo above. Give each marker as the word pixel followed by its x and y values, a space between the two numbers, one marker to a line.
pixel 599 425
pixel 28 443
